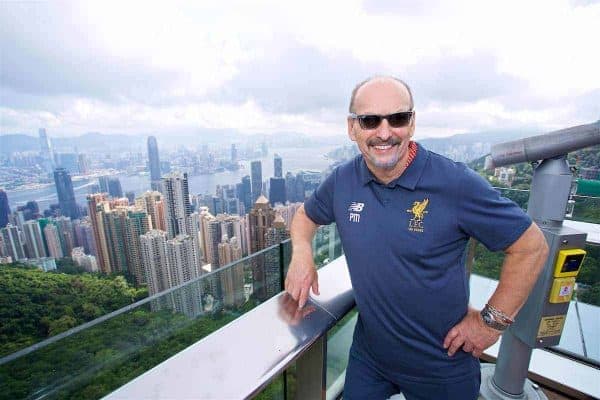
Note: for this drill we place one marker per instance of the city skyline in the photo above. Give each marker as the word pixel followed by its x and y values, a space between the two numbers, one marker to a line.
pixel 107 237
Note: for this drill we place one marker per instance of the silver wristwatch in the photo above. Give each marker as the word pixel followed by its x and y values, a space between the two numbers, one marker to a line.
pixel 490 319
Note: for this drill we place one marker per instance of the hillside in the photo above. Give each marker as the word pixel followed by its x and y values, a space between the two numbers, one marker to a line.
pixel 35 305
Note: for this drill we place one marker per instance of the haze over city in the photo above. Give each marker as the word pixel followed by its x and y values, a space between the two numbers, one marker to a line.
pixel 271 67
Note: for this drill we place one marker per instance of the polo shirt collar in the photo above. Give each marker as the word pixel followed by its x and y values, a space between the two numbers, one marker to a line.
pixel 409 178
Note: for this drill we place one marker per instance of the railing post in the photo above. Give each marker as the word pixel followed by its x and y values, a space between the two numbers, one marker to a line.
pixel 281 266
pixel 282 287
pixel 311 372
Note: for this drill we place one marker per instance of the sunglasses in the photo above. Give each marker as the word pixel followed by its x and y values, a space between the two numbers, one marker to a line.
pixel 396 120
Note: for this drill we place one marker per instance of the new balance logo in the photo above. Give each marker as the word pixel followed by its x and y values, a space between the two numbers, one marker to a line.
pixel 356 207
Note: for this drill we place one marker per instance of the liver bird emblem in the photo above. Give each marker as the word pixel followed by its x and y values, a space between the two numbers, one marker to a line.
pixel 418 209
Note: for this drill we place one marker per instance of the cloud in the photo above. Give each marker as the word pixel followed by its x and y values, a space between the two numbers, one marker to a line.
pixel 470 78
pixel 587 106
pixel 272 66
pixel 54 55
pixel 584 3
pixel 402 7
pixel 296 79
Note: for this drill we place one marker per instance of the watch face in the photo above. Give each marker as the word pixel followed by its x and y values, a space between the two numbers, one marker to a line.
pixel 489 320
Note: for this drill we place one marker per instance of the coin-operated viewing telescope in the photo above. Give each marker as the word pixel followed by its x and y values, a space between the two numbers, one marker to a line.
pixel 541 320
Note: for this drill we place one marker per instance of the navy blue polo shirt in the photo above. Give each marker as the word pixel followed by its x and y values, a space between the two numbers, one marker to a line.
pixel 405 244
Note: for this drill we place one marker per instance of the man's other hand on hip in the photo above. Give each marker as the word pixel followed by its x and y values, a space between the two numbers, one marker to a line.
pixel 471 334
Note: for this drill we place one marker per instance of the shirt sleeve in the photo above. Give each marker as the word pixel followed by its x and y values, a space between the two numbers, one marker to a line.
pixel 484 214
pixel 319 205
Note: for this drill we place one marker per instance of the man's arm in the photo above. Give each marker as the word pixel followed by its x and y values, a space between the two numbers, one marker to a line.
pixel 522 265
pixel 302 274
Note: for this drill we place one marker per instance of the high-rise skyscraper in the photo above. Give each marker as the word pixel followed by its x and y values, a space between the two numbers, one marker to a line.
pixel 31 210
pixel 277 233
pixel 312 180
pixel 68 161
pixel 277 191
pixel 177 204
pixel 67 235
pixel 53 241
pixel 46 152
pixel 12 242
pixel 196 234
pixel 4 209
pixel 83 164
pixel 97 203
pixel 232 278
pixel 260 220
pixel 232 206
pixel 234 156
pixel 182 259
pixel 122 227
pixel 183 267
pixel 277 166
pixel 154 204
pixel 84 235
pixel 170 263
pixel 137 223
pixel 114 231
pixel 34 241
pixel 256 174
pixel 114 187
pixel 154 164
pixel 66 196
pixel 213 229
pixel 130 196
pixel 287 212
pixel 111 185
pixel 300 189
pixel 245 193
pixel 86 261
pixel 290 187
pixel 153 246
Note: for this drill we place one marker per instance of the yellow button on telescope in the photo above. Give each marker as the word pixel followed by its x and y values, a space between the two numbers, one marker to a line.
pixel 562 290
pixel 568 263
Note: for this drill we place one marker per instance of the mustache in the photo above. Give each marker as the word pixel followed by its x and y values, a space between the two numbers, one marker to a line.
pixel 378 142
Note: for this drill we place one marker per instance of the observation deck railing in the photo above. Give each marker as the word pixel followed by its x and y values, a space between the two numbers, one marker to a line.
pixel 231 333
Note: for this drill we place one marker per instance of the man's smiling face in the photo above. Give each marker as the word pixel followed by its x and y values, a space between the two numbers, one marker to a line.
pixel 384 148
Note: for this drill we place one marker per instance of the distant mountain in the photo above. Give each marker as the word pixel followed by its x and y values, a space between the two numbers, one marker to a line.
pixel 462 147
pixel 493 136
pixel 94 141
pixel 18 142
pixel 469 146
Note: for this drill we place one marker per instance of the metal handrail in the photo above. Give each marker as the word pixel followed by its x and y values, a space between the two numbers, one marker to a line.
pixel 273 336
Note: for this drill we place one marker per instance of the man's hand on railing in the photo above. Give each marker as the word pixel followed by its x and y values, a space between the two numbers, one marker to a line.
pixel 302 276
pixel 289 311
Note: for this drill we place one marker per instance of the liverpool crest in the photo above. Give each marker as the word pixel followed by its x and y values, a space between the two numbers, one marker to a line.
pixel 418 211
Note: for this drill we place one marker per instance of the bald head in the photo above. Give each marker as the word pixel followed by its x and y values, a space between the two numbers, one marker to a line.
pixel 400 82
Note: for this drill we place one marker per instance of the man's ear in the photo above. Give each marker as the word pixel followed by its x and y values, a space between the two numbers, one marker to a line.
pixel 351 133
pixel 413 124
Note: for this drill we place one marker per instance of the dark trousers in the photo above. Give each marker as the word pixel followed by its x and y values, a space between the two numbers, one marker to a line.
pixel 364 382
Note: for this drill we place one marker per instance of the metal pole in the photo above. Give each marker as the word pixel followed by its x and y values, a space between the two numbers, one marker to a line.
pixel 512 365
pixel 550 188
pixel 311 370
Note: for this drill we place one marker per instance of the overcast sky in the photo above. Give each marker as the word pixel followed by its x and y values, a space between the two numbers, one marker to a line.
pixel 289 66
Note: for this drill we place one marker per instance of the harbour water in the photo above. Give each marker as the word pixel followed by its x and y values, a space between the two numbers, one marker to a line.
pixel 294 160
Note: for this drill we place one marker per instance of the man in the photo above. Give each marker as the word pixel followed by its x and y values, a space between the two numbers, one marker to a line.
pixel 405 215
